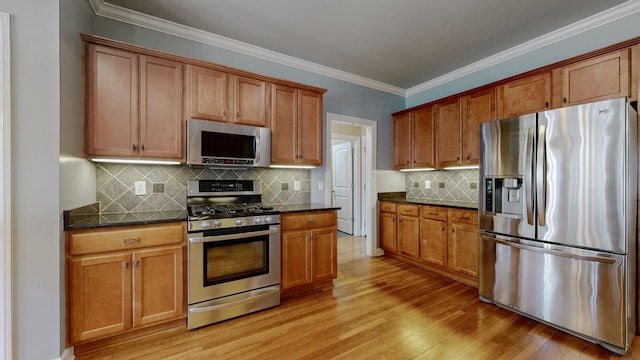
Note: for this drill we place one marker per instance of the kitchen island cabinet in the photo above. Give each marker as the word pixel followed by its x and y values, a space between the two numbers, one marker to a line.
pixel 122 279
pixel 133 105
pixel 309 250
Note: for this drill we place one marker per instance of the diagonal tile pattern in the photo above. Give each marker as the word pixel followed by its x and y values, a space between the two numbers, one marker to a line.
pixel 456 185
pixel 115 185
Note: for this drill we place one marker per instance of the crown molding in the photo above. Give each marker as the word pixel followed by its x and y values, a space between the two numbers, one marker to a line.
pixel 118 13
pixel 107 10
pixel 615 13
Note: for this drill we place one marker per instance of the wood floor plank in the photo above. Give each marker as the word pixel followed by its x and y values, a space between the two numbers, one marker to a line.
pixel 379 308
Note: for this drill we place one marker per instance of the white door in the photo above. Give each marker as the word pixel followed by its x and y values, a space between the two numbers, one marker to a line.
pixel 343 185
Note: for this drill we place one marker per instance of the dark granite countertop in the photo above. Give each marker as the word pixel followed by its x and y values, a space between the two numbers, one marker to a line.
pixel 400 197
pixel 95 221
pixel 89 217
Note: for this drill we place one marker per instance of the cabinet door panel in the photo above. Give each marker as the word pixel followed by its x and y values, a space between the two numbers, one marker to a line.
pixel 296 254
pixel 388 232
pixel 402 141
pixel 309 128
pixel 478 107
pixel 600 78
pixel 433 242
pixel 250 101
pixel 157 285
pixel 160 108
pixel 284 127
pixel 448 125
pixel 422 138
pixel 463 242
pixel 207 94
pixel 408 236
pixel 99 296
pixel 112 102
pixel 525 96
pixel 324 252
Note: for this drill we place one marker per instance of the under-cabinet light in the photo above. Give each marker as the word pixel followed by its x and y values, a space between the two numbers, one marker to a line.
pixel 137 161
pixel 292 167
pixel 467 167
pixel 418 169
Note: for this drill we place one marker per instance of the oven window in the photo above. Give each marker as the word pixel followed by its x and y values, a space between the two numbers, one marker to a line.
pixel 227 145
pixel 231 260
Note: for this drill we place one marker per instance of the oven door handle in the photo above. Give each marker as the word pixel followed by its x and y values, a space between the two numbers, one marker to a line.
pixel 205 239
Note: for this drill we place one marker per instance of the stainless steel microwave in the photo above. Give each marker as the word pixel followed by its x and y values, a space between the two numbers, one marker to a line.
pixel 219 144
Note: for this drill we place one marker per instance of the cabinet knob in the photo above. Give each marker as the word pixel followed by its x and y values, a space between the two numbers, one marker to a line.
pixel 564 100
pixel 224 112
pixel 126 264
pixel 136 263
pixel 457 157
pixel 546 104
pixel 142 147
pixel 238 114
pixel 468 157
pixel 135 148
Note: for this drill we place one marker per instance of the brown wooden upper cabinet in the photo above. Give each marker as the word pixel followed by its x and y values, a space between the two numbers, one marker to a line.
pixel 218 96
pixel 413 140
pixel 448 124
pixel 296 126
pixel 525 96
pixel 599 78
pixel 477 107
pixel 133 105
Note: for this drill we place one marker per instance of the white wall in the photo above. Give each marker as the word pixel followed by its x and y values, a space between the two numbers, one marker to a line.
pixel 35 139
pixel 390 181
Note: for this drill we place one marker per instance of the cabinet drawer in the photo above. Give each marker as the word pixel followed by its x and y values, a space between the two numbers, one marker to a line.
pixel 123 238
pixel 433 213
pixel 388 207
pixel 309 220
pixel 464 216
pixel 408 209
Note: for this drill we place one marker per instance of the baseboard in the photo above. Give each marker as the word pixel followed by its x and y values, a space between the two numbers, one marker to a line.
pixel 67 354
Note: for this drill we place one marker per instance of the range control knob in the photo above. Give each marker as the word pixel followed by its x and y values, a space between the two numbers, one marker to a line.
pixel 205 224
pixel 257 220
pixel 268 219
pixel 239 221
pixel 217 223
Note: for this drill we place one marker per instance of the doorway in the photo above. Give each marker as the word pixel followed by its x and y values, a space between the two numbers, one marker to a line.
pixel 362 134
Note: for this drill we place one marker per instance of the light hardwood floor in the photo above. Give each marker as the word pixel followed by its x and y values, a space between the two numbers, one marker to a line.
pixel 379 309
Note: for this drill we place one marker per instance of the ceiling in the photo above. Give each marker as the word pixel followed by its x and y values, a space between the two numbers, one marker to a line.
pixel 402 43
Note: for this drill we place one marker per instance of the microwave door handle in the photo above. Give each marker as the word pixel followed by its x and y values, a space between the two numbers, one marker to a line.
pixel 528 176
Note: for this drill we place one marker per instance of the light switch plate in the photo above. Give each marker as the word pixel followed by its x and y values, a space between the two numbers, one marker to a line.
pixel 320 185
pixel 140 188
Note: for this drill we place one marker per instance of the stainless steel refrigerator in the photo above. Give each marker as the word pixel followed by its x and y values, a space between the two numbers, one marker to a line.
pixel 558 211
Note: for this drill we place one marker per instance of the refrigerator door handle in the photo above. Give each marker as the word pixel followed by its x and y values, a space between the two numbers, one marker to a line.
pixel 541 175
pixel 528 177
pixel 515 244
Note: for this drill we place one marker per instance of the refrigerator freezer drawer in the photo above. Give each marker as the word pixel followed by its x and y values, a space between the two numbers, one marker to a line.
pixel 584 292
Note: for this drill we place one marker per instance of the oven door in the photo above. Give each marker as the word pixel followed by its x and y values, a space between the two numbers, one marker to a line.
pixel 225 262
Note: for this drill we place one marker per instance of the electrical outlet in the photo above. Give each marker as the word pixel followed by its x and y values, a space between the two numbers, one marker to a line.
pixel 441 185
pixel 416 184
pixel 320 185
pixel 140 187
pixel 427 184
pixel 473 185
pixel 296 185
pixel 284 186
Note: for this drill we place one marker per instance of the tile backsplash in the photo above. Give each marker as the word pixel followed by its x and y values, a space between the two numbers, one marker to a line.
pixel 456 185
pixel 166 185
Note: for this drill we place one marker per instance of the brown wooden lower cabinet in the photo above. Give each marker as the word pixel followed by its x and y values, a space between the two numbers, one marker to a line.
pixel 123 278
pixel 441 239
pixel 309 250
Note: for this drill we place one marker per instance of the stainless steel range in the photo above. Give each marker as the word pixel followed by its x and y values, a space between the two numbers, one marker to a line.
pixel 233 251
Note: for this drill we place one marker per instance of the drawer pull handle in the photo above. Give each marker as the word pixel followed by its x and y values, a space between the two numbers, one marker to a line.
pixel 433 213
pixel 311 222
pixel 465 217
pixel 130 241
